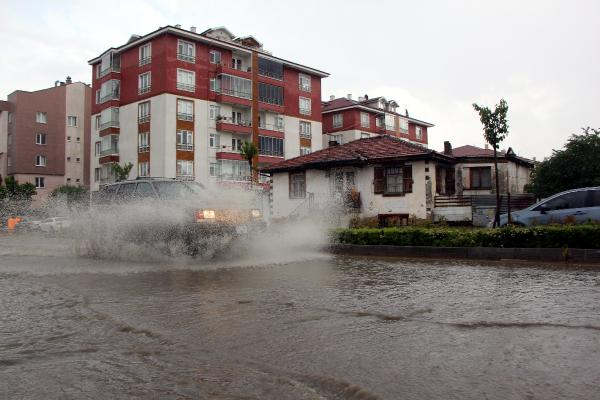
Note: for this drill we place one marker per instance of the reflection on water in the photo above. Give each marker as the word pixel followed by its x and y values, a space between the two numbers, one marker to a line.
pixel 310 328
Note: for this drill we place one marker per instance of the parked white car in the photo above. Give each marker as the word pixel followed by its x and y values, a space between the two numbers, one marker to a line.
pixel 54 224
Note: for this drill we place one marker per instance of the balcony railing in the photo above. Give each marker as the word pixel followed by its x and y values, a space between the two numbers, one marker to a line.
pixel 236 93
pixel 108 97
pixel 143 119
pixel 185 117
pixel 145 61
pixel 270 74
pixel 272 100
pixel 144 148
pixel 185 177
pixel 111 68
pixel 110 151
pixel 109 124
pixel 229 120
pixel 144 89
pixel 304 87
pixel 305 135
pixel 185 147
pixel 186 58
pixel 272 127
pixel 186 87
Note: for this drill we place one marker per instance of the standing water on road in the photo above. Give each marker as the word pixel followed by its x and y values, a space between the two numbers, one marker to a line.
pixel 292 324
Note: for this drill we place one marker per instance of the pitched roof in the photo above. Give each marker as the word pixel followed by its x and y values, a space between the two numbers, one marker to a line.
pixel 362 151
pixel 471 151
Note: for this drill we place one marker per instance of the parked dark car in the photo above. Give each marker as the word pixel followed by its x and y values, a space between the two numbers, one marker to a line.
pixel 572 206
pixel 183 212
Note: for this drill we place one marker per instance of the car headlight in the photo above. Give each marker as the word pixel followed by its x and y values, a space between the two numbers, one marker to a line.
pixel 255 213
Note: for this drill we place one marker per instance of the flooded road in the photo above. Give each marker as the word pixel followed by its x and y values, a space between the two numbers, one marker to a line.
pixel 312 326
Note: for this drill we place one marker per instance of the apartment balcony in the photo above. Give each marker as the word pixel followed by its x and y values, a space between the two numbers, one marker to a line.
pixel 270 105
pixel 275 130
pixel 233 97
pixel 185 147
pixel 108 97
pixel 108 159
pixel 227 69
pixel 110 69
pixel 227 124
pixel 113 150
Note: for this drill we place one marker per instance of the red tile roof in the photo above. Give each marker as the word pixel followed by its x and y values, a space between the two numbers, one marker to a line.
pixel 368 150
pixel 471 151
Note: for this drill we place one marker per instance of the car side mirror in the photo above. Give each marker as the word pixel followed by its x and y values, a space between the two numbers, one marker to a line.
pixel 543 209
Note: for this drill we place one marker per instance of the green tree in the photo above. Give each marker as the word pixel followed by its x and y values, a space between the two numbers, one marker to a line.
pixel 72 194
pixel 577 165
pixel 495 129
pixel 249 152
pixel 122 172
pixel 15 191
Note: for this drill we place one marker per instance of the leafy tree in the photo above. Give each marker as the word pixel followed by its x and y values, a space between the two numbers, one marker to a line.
pixel 122 172
pixel 495 129
pixel 249 152
pixel 73 194
pixel 15 191
pixel 577 165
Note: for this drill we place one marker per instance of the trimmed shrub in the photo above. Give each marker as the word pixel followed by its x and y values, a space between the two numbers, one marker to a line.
pixel 585 236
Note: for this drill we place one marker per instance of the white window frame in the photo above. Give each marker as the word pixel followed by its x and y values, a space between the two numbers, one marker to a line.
pixel 40 182
pixel 186 86
pixel 214 57
pixel 97 148
pixel 97 174
pixel 40 160
pixel 418 133
pixel 365 120
pixel 304 82
pixel 214 111
pixel 10 118
pixel 144 117
pixel 143 142
pixel 186 51
pixel 41 117
pixel 144 168
pixel 214 140
pixel 145 54
pixel 338 120
pixel 305 128
pixel 304 150
pixel 365 135
pixel 185 110
pixel 98 121
pixel 185 140
pixel 306 101
pixel 72 120
pixel 144 82
pixel 338 138
pixel 214 169
pixel 185 168
pixel 40 139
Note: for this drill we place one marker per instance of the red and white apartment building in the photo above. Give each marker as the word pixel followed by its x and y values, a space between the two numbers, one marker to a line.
pixel 345 119
pixel 45 136
pixel 177 103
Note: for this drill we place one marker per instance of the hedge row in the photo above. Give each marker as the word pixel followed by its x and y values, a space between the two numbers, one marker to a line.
pixel 572 236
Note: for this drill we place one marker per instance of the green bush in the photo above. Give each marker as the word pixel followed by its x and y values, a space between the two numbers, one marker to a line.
pixel 553 236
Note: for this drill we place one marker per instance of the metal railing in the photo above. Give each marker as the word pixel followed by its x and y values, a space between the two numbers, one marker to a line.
pixel 270 100
pixel 185 177
pixel 144 89
pixel 144 148
pixel 108 97
pixel 145 61
pixel 185 147
pixel 271 127
pixel 143 119
pixel 229 120
pixel 112 68
pixel 304 88
pixel 109 124
pixel 110 151
pixel 186 58
pixel 236 93
pixel 269 74
pixel 186 87
pixel 185 117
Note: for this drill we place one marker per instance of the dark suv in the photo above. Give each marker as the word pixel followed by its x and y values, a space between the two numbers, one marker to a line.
pixel 178 211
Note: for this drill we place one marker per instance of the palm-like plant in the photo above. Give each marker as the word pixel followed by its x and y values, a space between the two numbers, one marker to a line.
pixel 249 151
pixel 122 172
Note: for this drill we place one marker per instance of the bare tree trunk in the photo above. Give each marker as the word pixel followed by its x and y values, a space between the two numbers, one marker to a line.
pixel 497 214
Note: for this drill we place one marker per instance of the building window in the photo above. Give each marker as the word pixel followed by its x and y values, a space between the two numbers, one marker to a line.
pixel 9 161
pixel 305 129
pixel 40 138
pixel 186 80
pixel 109 90
pixel 72 120
pixel 185 168
pixel 269 68
pixel 270 146
pixel 235 86
pixel 214 57
pixel 481 178
pixel 143 112
pixel 185 110
pixel 111 62
pixel 185 140
pixel 214 140
pixel 97 174
pixel 365 120
pixel 145 55
pixel 236 63
pixel 10 118
pixel 144 168
pixel 68 159
pixel 393 180
pixel 270 94
pixel 78 138
pixel 305 106
pixel 98 123
pixel 41 117
pixel 297 185
pixel 339 139
pixel 338 120
pixel 68 138
pixel 78 159
pixel 186 51
pixel 143 142
pixel 378 122
pixel 40 161
pixel 144 83
pixel 403 125
pixel 304 150
pixel 214 85
pixel 97 148
pixel 419 133
pixel 364 135
pixel 9 139
pixel 304 82
pixel 279 123
pixel 39 182
pixel 214 169
pixel 214 112
pixel 236 144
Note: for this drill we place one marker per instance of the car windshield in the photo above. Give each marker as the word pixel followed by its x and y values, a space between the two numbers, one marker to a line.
pixel 178 190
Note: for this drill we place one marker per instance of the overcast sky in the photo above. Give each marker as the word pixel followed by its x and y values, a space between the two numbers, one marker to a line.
pixel 435 57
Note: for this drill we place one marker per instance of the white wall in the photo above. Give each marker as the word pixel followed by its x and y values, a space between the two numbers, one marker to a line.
pixel 75 106
pixel 3 143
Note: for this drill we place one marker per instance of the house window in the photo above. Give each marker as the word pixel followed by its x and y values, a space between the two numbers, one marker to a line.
pixel 40 161
pixel 97 148
pixel 270 94
pixel 215 57
pixel 214 85
pixel 109 90
pixel 72 120
pixel 185 168
pixel 68 138
pixel 143 112
pixel 214 112
pixel 378 122
pixel 68 159
pixel 41 117
pixel 304 150
pixel 279 122
pixel 98 123
pixel 10 118
pixel 338 120
pixel 144 168
pixel 304 82
pixel 185 110
pixel 144 83
pixel 186 51
pixel 393 180
pixel 297 185
pixel 270 146
pixel 97 174
pixel 236 144
pixel 214 140
pixel 365 121
pixel 403 125
pixel 78 159
pixel 419 133
pixel 185 140
pixel 40 138
pixel 186 80
pixel 339 139
pixel 39 182
pixel 236 63
pixel 145 55
pixel 9 161
pixel 214 169
pixel 481 178
pixel 272 69
pixel 305 129
pixel 364 135
pixel 305 106
pixel 143 142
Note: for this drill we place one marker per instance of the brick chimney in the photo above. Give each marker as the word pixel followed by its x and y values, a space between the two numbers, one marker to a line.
pixel 447 148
